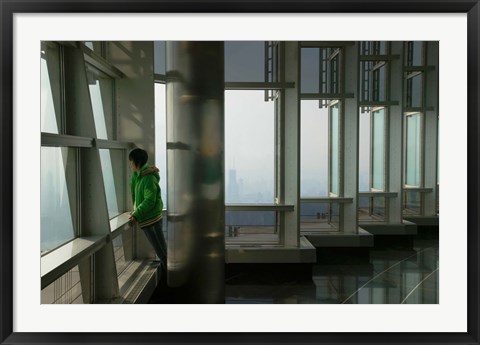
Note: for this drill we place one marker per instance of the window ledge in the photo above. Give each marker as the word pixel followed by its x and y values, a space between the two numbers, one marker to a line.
pixel 259 207
pixel 341 200
pixel 378 194
pixel 60 260
pixel 408 188
pixel 119 221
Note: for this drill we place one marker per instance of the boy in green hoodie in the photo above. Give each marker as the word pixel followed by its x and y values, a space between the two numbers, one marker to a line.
pixel 147 202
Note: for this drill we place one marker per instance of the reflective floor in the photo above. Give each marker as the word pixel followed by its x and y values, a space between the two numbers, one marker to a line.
pixel 391 273
pixel 386 276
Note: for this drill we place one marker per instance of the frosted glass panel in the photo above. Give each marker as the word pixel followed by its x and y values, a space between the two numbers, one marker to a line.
pixel 109 182
pixel 334 149
pixel 249 147
pixel 378 148
pixel 56 219
pixel 314 150
pixel 413 150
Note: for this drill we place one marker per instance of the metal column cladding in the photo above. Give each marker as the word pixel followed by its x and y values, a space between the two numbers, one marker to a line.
pixel 195 161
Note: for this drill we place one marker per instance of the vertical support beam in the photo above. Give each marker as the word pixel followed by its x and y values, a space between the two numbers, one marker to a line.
pixel 291 162
pixel 431 129
pixel 94 212
pixel 350 140
pixel 195 153
pixel 395 135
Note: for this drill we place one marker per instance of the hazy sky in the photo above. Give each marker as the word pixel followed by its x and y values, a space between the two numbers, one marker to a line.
pixel 249 125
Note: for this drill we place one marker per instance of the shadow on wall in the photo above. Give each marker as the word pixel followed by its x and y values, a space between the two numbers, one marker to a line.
pixel 135 92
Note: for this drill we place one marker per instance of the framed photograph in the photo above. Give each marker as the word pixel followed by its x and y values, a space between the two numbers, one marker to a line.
pixel 29 28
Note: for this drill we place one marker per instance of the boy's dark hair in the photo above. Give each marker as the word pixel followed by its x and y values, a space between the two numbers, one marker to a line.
pixel 139 157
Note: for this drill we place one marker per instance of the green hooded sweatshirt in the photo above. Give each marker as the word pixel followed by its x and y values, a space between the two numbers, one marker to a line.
pixel 146 195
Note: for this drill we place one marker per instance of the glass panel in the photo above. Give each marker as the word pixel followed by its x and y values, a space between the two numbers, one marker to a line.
pixel 412 203
pixel 50 88
pixel 334 84
pixel 335 214
pixel 378 149
pixel 56 216
pixel 381 47
pixel 379 84
pixel 316 217
pixel 371 209
pixel 415 91
pixel 159 48
pixel 96 46
pixel 313 150
pixel 310 70
pixel 101 96
pixel 365 80
pixel 334 149
pixel 244 61
pixel 65 290
pixel 414 53
pixel 413 147
pixel 123 252
pixel 364 151
pixel 249 150
pixel 109 181
pixel 161 137
pixel 251 226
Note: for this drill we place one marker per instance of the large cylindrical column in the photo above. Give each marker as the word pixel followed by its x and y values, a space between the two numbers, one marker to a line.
pixel 195 160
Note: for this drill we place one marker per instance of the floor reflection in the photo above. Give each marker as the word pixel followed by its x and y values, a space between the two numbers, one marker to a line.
pixel 387 276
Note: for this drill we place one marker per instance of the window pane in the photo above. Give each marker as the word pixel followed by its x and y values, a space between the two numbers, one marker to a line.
pixel 56 217
pixel 313 150
pixel 366 80
pixel 378 149
pixel 310 70
pixel 109 180
pixel 160 57
pixel 379 87
pixel 65 290
pixel 334 149
pixel 413 153
pixel 50 88
pixel 412 203
pixel 371 209
pixel 251 226
pixel 415 91
pixel 317 217
pixel 161 137
pixel 123 252
pixel 96 46
pixel 101 96
pixel 244 61
pixel 364 151
pixel 249 147
pixel 334 76
pixel 414 53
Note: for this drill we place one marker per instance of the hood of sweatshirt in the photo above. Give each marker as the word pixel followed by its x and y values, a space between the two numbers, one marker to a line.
pixel 150 170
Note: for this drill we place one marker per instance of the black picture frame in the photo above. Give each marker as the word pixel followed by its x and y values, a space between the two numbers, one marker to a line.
pixel 9 7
